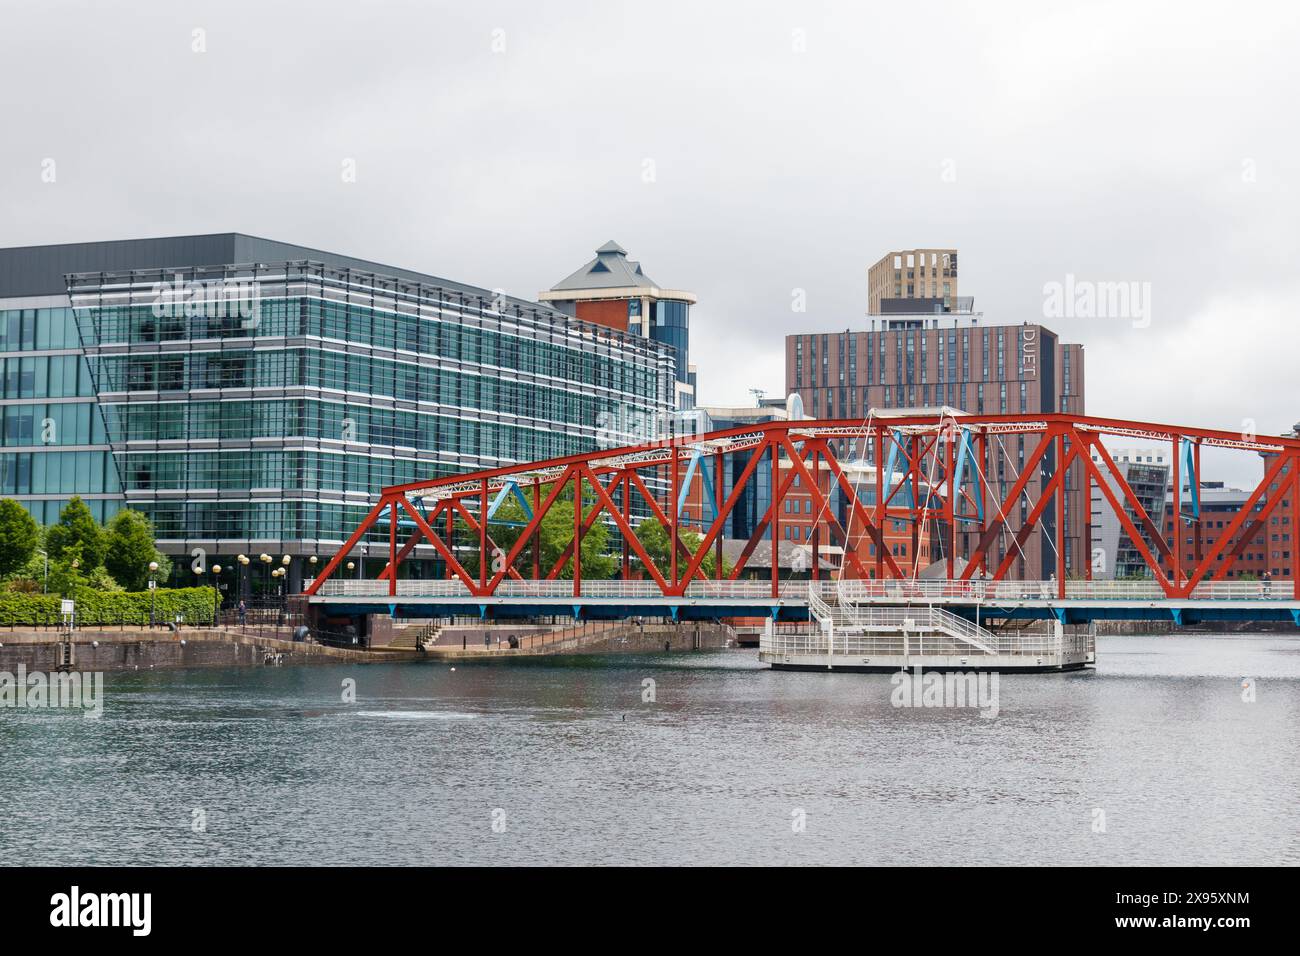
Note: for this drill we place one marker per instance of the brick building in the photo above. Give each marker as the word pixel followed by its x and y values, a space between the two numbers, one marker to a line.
pixel 954 360
pixel 1270 549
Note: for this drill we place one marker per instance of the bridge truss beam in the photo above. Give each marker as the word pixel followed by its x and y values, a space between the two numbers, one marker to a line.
pixel 924 468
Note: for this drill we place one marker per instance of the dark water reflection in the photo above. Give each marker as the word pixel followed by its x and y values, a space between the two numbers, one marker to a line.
pixel 713 772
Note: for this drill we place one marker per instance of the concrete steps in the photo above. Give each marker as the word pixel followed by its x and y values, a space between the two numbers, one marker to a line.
pixel 408 638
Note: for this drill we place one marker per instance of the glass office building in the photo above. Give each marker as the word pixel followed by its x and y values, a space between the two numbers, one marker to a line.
pixel 255 403
pixel 670 324
pixel 54 441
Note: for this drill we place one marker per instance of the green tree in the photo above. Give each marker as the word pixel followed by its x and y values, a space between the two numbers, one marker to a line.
pixel 555 534
pixel 101 582
pixel 68 572
pixel 129 549
pixel 19 535
pixel 76 527
pixel 654 538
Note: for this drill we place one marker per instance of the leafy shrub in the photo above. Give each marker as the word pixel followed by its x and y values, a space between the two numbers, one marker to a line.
pixel 110 608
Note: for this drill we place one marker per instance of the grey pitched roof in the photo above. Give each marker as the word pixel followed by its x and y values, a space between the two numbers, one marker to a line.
pixel 40 270
pixel 611 269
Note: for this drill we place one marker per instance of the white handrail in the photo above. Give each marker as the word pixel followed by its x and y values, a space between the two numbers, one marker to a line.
pixel 843 592
pixel 968 631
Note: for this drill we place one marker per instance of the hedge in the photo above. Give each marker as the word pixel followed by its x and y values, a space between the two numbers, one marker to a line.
pixel 104 608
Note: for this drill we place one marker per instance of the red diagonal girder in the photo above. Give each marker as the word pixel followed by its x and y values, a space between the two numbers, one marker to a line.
pixel 534 523
pixel 778 495
pixel 820 503
pixel 1125 521
pixel 1025 530
pixel 1247 536
pixel 392 549
pixel 720 521
pixel 913 465
pixel 1235 525
pixel 351 543
pixel 412 541
pixel 430 517
pixel 625 527
pixel 657 511
pixel 848 428
pixel 1156 534
pixel 587 521
pixel 440 546
pixel 860 510
pixel 996 525
pixel 1284 452
pixel 491 545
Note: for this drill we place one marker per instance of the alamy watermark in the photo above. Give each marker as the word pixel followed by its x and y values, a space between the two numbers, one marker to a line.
pixel 973 689
pixel 1084 299
pixel 37 690
pixel 129 910
pixel 212 299
pixel 625 425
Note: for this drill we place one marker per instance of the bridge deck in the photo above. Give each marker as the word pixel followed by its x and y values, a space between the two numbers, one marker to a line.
pixel 1083 601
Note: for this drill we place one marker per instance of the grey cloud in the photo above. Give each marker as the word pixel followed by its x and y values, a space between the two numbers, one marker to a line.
pixel 1099 140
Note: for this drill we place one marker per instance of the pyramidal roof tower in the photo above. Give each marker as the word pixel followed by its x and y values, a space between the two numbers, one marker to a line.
pixel 614 291
pixel 611 269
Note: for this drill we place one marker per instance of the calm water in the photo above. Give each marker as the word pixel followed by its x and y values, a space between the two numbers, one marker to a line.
pixel 1158 737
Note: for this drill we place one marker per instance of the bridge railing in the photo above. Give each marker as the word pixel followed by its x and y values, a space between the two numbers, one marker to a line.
pixel 922 639
pixel 849 591
pixel 563 589
pixel 966 592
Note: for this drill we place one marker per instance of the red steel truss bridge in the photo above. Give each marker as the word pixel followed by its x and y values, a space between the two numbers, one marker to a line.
pixel 909 508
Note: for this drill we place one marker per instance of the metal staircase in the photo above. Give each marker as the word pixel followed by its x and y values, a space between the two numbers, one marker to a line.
pixel 847 617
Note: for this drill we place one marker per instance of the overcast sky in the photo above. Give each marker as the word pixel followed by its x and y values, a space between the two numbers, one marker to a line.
pixel 741 151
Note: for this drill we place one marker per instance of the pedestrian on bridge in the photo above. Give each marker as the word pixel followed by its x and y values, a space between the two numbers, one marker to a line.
pixel 1268 584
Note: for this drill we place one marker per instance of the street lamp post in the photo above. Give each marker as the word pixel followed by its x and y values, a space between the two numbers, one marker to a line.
pixel 153 592
pixel 216 595
pixel 285 564
pixel 280 574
